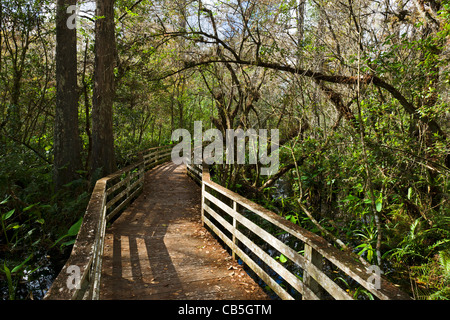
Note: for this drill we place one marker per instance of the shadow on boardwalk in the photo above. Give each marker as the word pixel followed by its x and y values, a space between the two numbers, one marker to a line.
pixel 158 249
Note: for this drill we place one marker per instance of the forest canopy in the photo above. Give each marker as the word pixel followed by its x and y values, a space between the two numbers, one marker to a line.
pixel 358 89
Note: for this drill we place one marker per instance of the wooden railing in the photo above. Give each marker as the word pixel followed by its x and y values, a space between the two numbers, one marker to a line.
pixel 81 275
pixel 237 222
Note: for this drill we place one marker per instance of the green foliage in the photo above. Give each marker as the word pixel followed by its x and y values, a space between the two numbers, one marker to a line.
pixel 431 280
pixel 18 228
pixel 368 236
pixel 281 258
pixel 416 246
pixel 335 185
pixel 14 276
pixel 33 217
pixel 357 292
pixel 71 233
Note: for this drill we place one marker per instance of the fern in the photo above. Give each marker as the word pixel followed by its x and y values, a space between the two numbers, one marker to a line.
pixel 432 279
pixel 444 259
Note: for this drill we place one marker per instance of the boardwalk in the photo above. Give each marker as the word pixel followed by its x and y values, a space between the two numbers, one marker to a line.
pixel 158 249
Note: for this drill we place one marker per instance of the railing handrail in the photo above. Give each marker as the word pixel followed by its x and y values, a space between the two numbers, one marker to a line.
pixel 315 247
pixel 86 256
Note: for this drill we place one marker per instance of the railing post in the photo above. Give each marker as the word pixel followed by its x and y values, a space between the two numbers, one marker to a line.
pixel 141 168
pixel 142 174
pixel 203 203
pixel 312 257
pixel 96 268
pixel 234 230
pixel 128 183
pixel 155 159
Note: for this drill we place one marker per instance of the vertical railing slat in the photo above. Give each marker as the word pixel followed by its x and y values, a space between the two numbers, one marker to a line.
pixel 314 258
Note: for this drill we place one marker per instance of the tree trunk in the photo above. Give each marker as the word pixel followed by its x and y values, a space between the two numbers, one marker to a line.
pixel 67 146
pixel 103 158
pixel 300 27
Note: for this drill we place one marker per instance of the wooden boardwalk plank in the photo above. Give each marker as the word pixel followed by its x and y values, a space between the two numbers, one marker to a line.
pixel 158 249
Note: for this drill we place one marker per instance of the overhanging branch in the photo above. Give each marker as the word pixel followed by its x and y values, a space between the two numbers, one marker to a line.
pixel 318 76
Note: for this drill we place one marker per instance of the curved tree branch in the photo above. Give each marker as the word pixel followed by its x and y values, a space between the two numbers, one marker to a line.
pixel 338 79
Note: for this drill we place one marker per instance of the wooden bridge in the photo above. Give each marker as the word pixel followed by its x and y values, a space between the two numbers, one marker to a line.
pixel 148 234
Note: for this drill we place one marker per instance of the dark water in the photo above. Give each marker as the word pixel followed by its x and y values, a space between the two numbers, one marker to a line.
pixel 34 280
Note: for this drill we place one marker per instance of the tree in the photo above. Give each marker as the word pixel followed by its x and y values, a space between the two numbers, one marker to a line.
pixel 67 146
pixel 103 157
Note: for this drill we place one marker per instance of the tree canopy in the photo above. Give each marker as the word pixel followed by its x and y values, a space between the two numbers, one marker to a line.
pixel 358 89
